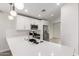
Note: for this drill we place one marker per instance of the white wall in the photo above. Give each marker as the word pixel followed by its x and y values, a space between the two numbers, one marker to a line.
pixel 69 25
pixel 4 25
pixel 50 28
pixel 56 30
pixel 57 20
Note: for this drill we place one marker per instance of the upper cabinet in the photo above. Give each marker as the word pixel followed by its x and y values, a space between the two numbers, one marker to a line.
pixel 20 23
pixel 24 23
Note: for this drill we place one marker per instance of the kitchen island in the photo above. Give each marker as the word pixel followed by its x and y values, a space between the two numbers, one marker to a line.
pixel 21 47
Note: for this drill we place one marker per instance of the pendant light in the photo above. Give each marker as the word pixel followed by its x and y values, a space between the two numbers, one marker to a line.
pixel 12 10
pixel 13 13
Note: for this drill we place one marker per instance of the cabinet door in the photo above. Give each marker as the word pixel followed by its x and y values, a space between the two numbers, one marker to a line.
pixel 23 23
pixel 27 23
pixel 44 22
pixel 20 23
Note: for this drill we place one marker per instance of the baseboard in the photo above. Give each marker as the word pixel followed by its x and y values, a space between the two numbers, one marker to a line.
pixel 4 50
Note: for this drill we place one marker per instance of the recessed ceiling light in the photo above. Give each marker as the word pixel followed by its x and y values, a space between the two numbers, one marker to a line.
pixel 10 17
pixel 13 13
pixel 26 10
pixel 39 15
pixel 19 6
pixel 58 4
pixel 52 15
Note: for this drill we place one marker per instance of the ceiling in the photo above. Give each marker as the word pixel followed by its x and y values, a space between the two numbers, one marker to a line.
pixel 34 9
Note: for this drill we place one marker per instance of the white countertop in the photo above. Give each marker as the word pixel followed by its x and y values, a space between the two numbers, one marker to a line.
pixel 20 47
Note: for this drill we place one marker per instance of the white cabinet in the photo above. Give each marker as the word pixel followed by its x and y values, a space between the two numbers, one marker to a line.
pixel 24 23
pixel 44 22
pixel 20 23
pixel 27 23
